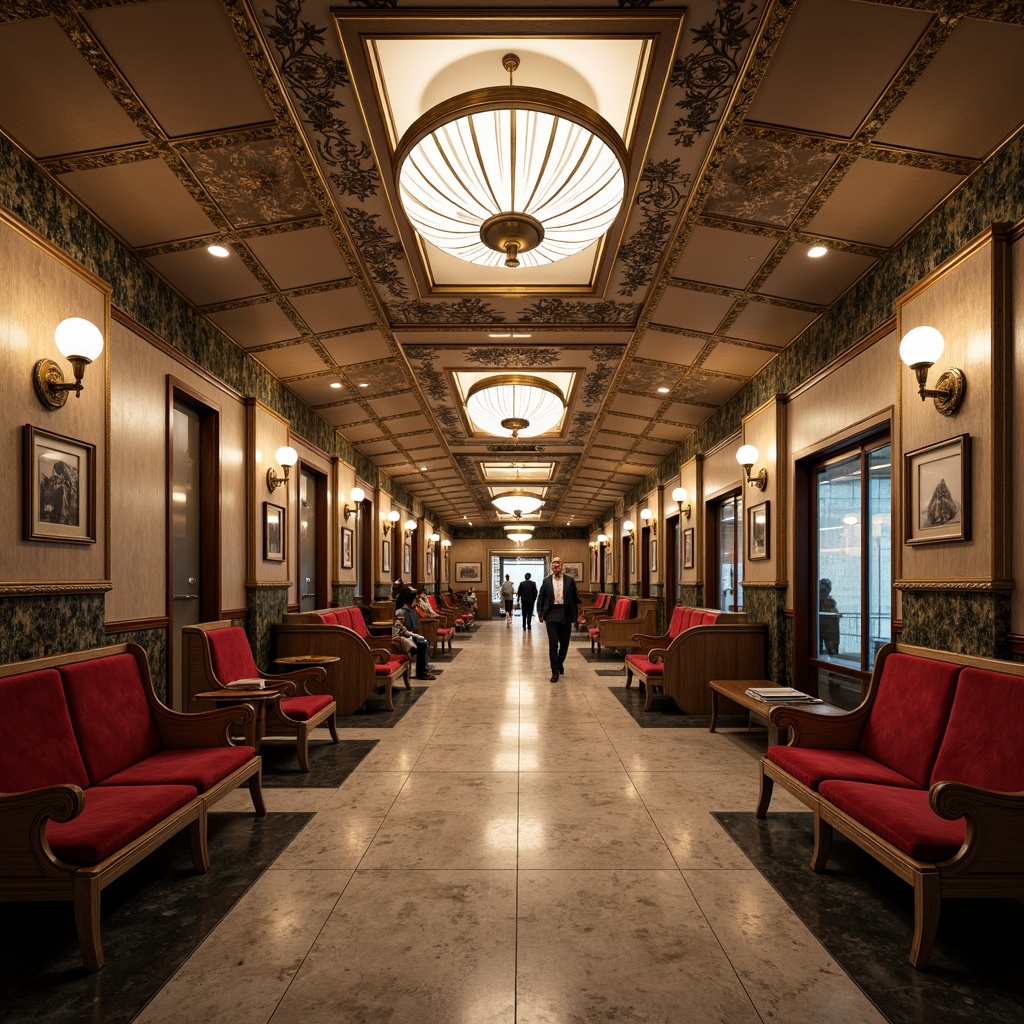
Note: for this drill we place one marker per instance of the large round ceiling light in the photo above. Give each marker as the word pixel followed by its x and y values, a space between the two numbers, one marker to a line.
pixel 514 405
pixel 511 175
pixel 517 503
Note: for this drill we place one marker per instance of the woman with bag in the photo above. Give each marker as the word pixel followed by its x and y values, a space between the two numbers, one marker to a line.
pixel 405 632
pixel 508 593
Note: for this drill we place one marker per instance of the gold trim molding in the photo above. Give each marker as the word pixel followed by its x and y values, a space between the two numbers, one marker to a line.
pixel 26 588
pixel 962 586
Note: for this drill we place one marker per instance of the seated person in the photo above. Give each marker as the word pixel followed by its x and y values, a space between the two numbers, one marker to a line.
pixel 406 626
pixel 421 605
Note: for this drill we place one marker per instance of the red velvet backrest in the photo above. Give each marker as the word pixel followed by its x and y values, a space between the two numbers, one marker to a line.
pixel 109 713
pixel 231 654
pixel 37 743
pixel 686 619
pixel 329 618
pixel 622 607
pixel 675 626
pixel 983 744
pixel 339 618
pixel 358 623
pixel 909 715
pixel 707 619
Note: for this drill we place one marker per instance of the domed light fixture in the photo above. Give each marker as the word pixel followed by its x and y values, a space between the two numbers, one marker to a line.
pixel 920 349
pixel 287 456
pixel 357 495
pixel 511 175
pixel 517 503
pixel 679 496
pixel 519 533
pixel 515 405
pixel 746 456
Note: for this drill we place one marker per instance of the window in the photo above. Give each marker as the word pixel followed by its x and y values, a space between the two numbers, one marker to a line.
pixel 729 554
pixel 851 573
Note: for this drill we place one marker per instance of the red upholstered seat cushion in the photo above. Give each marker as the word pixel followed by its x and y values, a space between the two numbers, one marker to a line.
pixel 909 715
pixel 444 630
pixel 594 632
pixel 645 665
pixel 983 743
pixel 37 743
pixel 389 666
pixel 201 767
pixel 231 654
pixel 899 816
pixel 109 713
pixel 304 708
pixel 812 767
pixel 113 817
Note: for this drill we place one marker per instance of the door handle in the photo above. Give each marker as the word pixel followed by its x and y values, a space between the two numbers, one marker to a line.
pixel 185 597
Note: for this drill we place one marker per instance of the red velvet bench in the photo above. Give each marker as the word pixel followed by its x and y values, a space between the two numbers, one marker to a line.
pixel 365 661
pixel 96 773
pixel 926 775
pixel 701 644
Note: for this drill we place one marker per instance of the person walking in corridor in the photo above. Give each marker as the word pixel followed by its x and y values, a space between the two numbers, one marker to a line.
pixel 508 594
pixel 526 595
pixel 558 607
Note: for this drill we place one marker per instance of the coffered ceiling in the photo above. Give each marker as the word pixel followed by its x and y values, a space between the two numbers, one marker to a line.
pixel 754 131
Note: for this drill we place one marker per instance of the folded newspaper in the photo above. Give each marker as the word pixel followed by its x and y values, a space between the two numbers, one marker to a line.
pixel 246 684
pixel 781 695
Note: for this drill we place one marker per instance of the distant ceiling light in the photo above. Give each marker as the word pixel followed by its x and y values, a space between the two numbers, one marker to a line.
pixel 511 175
pixel 364 385
pixel 513 405
pixel 515 503
pixel 335 384
pixel 522 335
pixel 816 251
pixel 218 250
pixel 520 537
pixel 664 391
pixel 423 469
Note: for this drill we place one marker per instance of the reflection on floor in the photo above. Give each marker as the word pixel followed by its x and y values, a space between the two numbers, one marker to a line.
pixel 511 851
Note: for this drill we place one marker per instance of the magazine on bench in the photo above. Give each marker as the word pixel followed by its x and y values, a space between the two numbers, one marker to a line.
pixel 781 695
pixel 246 684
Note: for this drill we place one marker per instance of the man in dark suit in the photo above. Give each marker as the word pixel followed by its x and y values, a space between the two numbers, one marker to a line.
pixel 526 595
pixel 558 608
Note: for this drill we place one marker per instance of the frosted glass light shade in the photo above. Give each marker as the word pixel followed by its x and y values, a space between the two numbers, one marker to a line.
pixel 746 455
pixel 78 337
pixel 515 405
pixel 517 501
pixel 921 345
pixel 286 456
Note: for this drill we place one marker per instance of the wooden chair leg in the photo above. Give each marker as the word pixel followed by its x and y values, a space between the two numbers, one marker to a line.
pixel 649 699
pixel 87 921
pixel 389 704
pixel 302 748
pixel 629 677
pixel 927 903
pixel 822 843
pixel 197 833
pixel 256 794
pixel 332 725
pixel 764 797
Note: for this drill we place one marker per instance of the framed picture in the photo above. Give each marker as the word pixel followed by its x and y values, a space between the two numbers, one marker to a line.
pixel 573 569
pixel 632 557
pixel 688 548
pixel 757 531
pixel 937 492
pixel 654 556
pixel 273 532
pixel 385 556
pixel 58 488
pixel 346 548
pixel 430 566
pixel 407 560
pixel 469 572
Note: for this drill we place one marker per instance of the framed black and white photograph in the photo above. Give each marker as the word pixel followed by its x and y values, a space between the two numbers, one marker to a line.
pixel 385 556
pixel 688 548
pixel 469 572
pixel 573 569
pixel 273 532
pixel 407 559
pixel 346 548
pixel 757 532
pixel 59 488
pixel 937 492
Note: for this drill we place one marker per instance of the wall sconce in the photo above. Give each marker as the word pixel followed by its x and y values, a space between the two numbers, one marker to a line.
pixel 648 517
pixel 410 527
pixel 446 543
pixel 357 495
pixel 602 538
pixel 630 527
pixel 746 457
pixel 79 342
pixel 679 496
pixel 920 349
pixel 287 456
pixel 431 541
pixel 393 518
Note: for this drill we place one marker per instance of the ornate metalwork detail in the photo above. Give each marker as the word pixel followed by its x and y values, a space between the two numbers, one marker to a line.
pixel 466 311
pixel 662 191
pixel 380 252
pixel 515 449
pixel 581 426
pixel 314 77
pixel 562 312
pixel 707 75
pixel 500 357
pixel 598 380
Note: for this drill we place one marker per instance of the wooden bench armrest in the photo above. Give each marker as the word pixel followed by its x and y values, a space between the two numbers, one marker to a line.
pixel 657 655
pixel 838 732
pixel 995 821
pixel 646 640
pixel 180 730
pixel 298 680
pixel 23 818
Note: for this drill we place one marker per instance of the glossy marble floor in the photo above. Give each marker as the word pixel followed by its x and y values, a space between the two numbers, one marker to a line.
pixel 518 851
